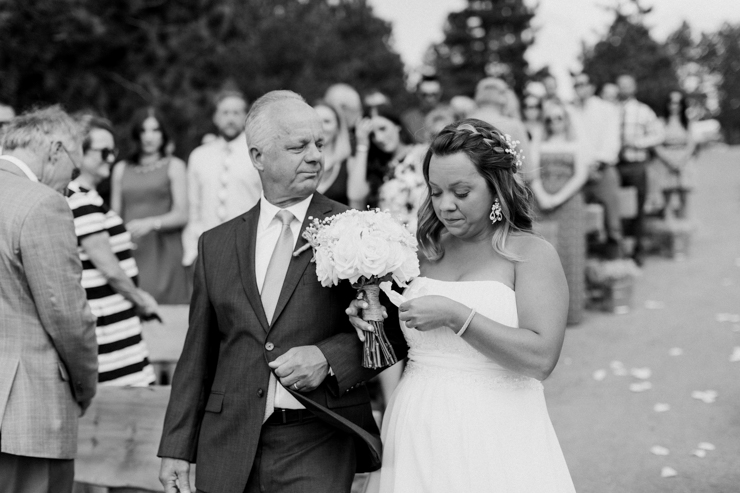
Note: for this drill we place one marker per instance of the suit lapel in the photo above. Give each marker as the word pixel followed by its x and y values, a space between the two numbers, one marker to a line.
pixel 318 208
pixel 246 242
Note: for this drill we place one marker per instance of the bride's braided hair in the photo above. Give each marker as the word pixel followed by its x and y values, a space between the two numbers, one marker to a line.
pixel 497 159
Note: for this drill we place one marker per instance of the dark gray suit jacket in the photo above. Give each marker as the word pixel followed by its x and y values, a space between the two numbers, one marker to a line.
pixel 219 388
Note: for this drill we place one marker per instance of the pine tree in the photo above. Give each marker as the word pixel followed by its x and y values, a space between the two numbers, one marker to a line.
pixel 488 37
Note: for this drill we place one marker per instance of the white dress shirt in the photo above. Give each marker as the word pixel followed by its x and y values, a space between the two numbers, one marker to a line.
pixel 222 184
pixel 268 232
pixel 597 127
pixel 640 129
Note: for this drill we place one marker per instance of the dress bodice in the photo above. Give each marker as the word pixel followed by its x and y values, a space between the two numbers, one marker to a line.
pixel 441 349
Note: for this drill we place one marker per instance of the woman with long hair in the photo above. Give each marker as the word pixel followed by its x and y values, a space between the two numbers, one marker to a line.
pixel 149 191
pixel 485 323
pixel 394 167
pixel 344 178
pixel 677 154
pixel 557 186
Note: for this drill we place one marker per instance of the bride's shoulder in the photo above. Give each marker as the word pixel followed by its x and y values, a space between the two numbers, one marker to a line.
pixel 527 246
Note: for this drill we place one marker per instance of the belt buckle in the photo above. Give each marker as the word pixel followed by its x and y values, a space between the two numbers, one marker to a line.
pixel 284 416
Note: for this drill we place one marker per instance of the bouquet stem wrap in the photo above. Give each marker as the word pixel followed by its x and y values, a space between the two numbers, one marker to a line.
pixel 377 350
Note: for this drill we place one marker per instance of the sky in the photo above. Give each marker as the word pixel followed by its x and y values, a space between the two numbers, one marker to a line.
pixel 561 26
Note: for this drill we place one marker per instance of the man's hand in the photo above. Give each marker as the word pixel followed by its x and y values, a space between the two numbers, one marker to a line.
pixel 174 474
pixel 354 311
pixel 302 368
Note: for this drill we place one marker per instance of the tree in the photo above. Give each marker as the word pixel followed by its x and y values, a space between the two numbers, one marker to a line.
pixel 628 48
pixel 488 37
pixel 724 55
pixel 118 55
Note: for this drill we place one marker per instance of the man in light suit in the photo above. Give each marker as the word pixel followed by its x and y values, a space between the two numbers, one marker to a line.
pixel 48 351
pixel 256 307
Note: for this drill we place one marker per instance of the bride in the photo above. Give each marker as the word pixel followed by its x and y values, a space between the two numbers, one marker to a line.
pixel 484 323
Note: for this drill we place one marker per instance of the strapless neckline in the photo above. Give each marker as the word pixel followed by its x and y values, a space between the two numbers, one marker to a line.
pixel 469 282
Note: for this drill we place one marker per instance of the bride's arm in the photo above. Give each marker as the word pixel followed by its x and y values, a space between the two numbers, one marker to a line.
pixel 534 347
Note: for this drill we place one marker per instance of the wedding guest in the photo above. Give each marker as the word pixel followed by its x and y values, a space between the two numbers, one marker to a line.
pixel 641 132
pixel 109 270
pixel 48 353
pixel 222 182
pixel 347 101
pixel 429 95
pixel 485 323
pixel 374 98
pixel 344 178
pixel 532 118
pixel 677 155
pixel 394 167
pixel 491 96
pixel 597 125
pixel 610 93
pixel 550 84
pixel 149 191
pixel 269 350
pixel 562 173
pixel 462 106
pixel 436 120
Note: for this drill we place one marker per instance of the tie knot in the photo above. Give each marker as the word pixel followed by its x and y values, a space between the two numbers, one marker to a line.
pixel 285 217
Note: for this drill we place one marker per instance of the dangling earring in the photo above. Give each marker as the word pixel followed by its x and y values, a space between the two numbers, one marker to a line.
pixel 495 215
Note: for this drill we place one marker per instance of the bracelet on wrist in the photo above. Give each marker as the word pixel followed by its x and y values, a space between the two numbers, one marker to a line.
pixel 157 224
pixel 361 148
pixel 466 324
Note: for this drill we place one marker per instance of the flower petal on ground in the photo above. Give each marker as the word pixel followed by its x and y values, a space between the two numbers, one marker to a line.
pixel 668 472
pixel 735 357
pixel 599 375
pixel 706 446
pixel 641 373
pixel 699 453
pixel 640 386
pixel 661 407
pixel 675 351
pixel 658 450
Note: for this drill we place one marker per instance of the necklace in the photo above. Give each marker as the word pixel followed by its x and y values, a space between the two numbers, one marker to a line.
pixel 146 168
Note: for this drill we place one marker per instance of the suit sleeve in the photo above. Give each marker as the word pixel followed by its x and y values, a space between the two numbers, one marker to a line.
pixel 194 374
pixel 54 272
pixel 344 350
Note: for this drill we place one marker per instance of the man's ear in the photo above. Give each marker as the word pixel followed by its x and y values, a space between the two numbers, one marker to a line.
pixel 257 157
pixel 55 151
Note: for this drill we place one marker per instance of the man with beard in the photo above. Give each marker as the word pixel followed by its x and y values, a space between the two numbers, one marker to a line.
pixel 222 182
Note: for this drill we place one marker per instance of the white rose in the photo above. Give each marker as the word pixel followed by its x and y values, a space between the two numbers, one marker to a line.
pixel 373 256
pixel 345 257
pixel 408 270
pixel 325 271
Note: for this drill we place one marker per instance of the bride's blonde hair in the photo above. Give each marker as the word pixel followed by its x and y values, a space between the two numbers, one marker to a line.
pixel 492 154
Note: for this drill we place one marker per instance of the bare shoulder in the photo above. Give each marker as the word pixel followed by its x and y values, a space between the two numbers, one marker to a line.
pixel 528 247
pixel 177 165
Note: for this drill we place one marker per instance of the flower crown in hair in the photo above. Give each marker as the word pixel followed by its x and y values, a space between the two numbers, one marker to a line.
pixel 509 146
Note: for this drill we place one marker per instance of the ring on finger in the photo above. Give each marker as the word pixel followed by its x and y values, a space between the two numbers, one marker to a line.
pixel 295 386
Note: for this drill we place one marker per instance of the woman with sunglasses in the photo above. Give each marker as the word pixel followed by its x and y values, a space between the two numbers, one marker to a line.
pixel 109 269
pixel 557 186
pixel 149 191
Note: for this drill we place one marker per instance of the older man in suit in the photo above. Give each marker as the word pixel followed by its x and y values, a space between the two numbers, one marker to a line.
pixel 48 352
pixel 257 307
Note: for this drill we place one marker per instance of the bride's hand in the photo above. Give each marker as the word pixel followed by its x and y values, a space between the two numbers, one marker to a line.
pixel 432 312
pixel 354 311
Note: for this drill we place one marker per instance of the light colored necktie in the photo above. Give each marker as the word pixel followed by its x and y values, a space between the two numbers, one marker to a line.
pixel 274 278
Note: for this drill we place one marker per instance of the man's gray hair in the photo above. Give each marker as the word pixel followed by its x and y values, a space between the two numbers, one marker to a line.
pixel 259 124
pixel 36 129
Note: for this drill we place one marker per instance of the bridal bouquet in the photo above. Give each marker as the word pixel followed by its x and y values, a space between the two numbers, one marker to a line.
pixel 366 248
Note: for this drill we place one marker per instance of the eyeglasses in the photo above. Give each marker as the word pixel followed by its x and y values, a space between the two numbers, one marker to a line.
pixel 69 155
pixel 105 152
pixel 554 118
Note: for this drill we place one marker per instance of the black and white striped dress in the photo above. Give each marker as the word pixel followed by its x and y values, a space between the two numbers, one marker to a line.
pixel 123 357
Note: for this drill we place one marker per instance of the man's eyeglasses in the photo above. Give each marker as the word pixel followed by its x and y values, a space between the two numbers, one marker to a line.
pixel 105 152
pixel 69 155
pixel 554 118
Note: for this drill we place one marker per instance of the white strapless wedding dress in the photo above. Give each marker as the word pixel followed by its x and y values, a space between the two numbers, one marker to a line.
pixel 459 422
